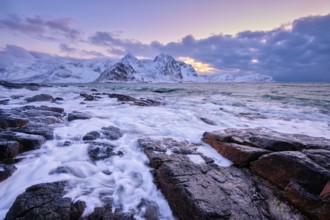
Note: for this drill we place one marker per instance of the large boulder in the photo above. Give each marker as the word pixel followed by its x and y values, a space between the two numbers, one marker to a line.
pixel 45 201
pixel 206 191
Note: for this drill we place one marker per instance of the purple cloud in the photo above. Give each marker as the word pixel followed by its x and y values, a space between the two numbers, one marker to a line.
pixel 71 50
pixel 42 28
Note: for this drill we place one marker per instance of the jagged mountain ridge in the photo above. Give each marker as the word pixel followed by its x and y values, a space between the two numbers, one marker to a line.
pixel 20 65
pixel 163 68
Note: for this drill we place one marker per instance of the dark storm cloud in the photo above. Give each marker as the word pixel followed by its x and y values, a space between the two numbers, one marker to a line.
pixel 41 28
pixel 299 53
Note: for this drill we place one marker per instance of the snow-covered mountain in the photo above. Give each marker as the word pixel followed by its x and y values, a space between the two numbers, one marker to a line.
pixel 163 68
pixel 20 65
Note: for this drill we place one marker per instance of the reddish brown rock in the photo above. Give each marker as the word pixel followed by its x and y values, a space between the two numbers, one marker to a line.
pixel 326 190
pixel 310 204
pixel 206 191
pixel 268 139
pixel 283 167
pixel 240 155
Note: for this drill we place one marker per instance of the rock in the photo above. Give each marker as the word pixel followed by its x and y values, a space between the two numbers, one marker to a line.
pixel 326 190
pixel 12 121
pixel 100 151
pixel 88 97
pixel 78 116
pixel 122 98
pixel 37 129
pixel 4 101
pixel 206 191
pixel 310 204
pixel 240 155
pixel 104 213
pixel 112 133
pixel 10 85
pixel 39 113
pixel 53 109
pixel 208 121
pixel 283 167
pixel 268 139
pixel 9 149
pixel 27 141
pixel 58 99
pixel 134 101
pixel 6 171
pixel 40 98
pixel 252 116
pixel 59 170
pixel 321 157
pixel 90 136
pixel 45 201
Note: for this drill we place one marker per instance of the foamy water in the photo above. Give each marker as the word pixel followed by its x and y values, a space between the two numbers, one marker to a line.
pixel 127 180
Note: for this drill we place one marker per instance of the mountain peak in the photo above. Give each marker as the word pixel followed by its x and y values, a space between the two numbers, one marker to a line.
pixel 129 56
pixel 164 57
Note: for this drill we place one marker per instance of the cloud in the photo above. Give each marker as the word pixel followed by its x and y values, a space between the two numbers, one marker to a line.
pixel 74 51
pixel 42 28
pixel 298 53
pixel 118 46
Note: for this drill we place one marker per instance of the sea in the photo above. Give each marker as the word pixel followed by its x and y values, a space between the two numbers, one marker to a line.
pixel 295 108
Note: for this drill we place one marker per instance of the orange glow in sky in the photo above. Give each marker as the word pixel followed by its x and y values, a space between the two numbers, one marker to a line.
pixel 200 67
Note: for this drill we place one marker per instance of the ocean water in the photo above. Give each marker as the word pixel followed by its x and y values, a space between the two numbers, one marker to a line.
pixel 127 180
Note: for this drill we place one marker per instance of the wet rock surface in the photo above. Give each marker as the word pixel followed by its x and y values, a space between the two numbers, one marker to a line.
pixel 78 116
pixel 26 128
pixel 45 201
pixel 6 171
pixel 207 191
pixel 100 150
pixel 40 98
pixel 297 164
pixel 135 101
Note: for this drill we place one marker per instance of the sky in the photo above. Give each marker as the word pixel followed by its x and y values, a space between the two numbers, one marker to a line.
pixel 289 40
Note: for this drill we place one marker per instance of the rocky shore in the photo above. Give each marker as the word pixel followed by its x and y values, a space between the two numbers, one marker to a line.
pixel 273 176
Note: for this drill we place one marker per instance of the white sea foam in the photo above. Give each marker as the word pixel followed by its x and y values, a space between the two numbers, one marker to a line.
pixel 127 180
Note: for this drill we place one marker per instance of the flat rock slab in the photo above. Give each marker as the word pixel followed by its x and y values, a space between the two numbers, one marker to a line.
pixel 268 139
pixel 45 201
pixel 206 191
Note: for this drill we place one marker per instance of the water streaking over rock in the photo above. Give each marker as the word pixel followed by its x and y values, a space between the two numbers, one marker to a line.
pixel 92 148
